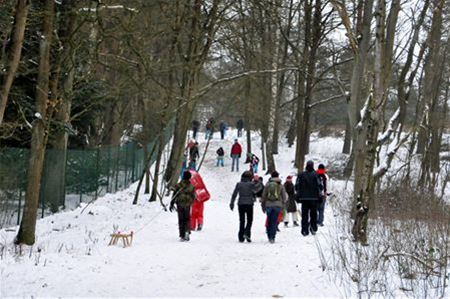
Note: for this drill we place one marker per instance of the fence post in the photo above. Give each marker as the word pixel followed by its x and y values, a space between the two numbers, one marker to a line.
pixel 117 167
pixel 108 169
pixel 126 166
pixel 97 177
pixel 133 148
pixel 20 204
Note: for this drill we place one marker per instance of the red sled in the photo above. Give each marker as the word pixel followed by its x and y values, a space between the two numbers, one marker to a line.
pixel 201 192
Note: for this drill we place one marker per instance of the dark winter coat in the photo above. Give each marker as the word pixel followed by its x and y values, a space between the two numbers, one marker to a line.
pixel 308 186
pixel 184 194
pixel 266 203
pixel 240 124
pixel 246 190
pixel 195 124
pixel 193 153
pixel 291 205
pixel 220 152
pixel 259 188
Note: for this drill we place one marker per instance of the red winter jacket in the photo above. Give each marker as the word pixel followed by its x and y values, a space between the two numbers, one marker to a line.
pixel 236 149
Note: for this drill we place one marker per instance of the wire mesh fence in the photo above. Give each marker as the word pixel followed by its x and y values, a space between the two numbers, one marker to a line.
pixel 70 177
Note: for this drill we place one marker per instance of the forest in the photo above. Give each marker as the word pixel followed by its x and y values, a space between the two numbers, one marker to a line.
pixel 92 92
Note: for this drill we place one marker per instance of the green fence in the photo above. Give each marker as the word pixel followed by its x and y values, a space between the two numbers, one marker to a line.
pixel 70 177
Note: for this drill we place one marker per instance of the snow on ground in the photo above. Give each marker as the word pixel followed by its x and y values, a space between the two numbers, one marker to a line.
pixel 71 257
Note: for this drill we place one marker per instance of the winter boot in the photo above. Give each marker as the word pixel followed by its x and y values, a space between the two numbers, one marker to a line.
pixel 247 238
pixel 186 236
pixel 313 232
pixel 271 241
pixel 286 224
pixel 199 227
pixel 295 223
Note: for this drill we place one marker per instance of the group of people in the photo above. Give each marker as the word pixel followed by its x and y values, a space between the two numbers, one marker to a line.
pixel 278 201
pixel 210 125
pixel 235 154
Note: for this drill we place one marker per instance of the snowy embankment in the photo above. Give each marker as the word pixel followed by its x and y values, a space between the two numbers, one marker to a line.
pixel 71 256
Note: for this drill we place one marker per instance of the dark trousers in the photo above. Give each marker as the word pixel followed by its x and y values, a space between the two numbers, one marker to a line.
pixel 194 133
pixel 272 217
pixel 309 216
pixel 222 134
pixel 184 220
pixel 245 227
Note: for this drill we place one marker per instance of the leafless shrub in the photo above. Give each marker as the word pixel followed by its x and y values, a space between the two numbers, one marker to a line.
pixel 409 248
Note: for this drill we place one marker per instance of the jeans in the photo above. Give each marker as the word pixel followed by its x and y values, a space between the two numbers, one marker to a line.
pixel 309 216
pixel 235 160
pixel 245 227
pixel 219 161
pixel 272 216
pixel 321 210
pixel 194 133
pixel 192 165
pixel 255 168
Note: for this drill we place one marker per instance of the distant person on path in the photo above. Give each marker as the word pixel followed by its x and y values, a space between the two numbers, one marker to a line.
pixel 254 162
pixel 193 156
pixel 246 191
pixel 209 128
pixel 321 172
pixel 239 126
pixel 236 151
pixel 223 128
pixel 308 188
pixel 220 156
pixel 273 199
pixel 183 197
pixel 195 127
pixel 291 204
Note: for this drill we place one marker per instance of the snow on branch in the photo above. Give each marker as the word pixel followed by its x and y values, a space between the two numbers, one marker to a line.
pixel 364 113
pixel 94 9
pixel 386 164
pixel 392 126
pixel 335 97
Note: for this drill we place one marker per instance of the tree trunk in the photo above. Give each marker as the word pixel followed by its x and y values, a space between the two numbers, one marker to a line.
pixel 14 53
pixel 55 188
pixel 26 234
pixel 348 137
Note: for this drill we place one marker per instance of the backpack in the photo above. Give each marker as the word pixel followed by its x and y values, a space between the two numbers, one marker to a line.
pixel 273 191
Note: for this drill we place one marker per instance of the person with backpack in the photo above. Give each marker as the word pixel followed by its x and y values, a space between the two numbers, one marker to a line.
pixel 246 191
pixel 291 204
pixel 183 197
pixel 273 199
pixel 220 156
pixel 321 172
pixel 236 151
pixel 308 188
pixel 259 186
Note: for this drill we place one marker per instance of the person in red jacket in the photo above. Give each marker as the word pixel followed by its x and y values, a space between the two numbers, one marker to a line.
pixel 202 195
pixel 236 151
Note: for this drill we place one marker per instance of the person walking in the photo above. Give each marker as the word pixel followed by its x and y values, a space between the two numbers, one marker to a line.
pixel 321 172
pixel 246 191
pixel 291 204
pixel 239 126
pixel 273 199
pixel 195 127
pixel 184 196
pixel 308 188
pixel 236 151
pixel 193 156
pixel 254 162
pixel 220 156
pixel 222 128
pixel 209 128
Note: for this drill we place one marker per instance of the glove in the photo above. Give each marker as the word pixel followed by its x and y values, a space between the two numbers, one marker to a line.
pixel 231 206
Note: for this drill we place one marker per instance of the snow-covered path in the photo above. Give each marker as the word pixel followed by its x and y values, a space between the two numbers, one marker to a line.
pixel 74 260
